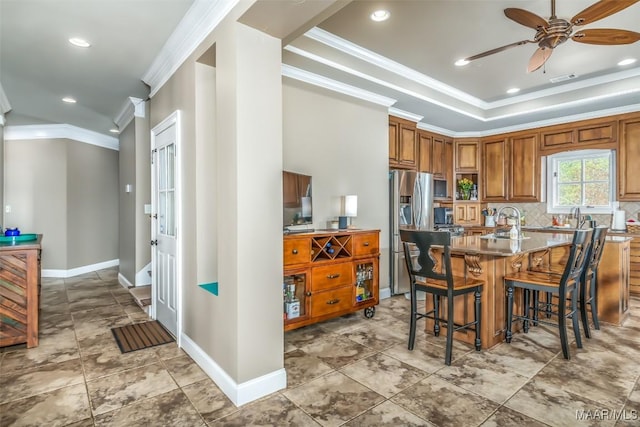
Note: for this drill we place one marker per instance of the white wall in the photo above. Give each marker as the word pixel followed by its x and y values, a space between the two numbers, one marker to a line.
pixel 342 142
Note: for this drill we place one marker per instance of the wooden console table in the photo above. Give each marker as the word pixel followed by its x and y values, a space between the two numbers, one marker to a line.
pixel 19 292
pixel 328 274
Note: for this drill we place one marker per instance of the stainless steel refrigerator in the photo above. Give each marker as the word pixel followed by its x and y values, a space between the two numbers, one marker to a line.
pixel 411 206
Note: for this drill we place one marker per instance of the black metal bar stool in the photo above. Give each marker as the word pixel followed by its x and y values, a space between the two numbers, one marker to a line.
pixel 589 280
pixel 430 276
pixel 564 286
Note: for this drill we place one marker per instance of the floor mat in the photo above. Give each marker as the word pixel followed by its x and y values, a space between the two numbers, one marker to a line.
pixel 141 335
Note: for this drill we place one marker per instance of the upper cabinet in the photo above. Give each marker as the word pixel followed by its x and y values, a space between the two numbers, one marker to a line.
pixel 425 147
pixel 524 162
pixel 511 168
pixel 628 160
pixel 467 155
pixel 600 133
pixel 494 170
pixel 402 143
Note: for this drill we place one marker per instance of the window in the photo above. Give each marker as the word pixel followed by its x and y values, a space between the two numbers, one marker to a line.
pixel 584 179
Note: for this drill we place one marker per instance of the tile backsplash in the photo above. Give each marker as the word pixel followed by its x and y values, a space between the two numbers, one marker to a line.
pixel 536 213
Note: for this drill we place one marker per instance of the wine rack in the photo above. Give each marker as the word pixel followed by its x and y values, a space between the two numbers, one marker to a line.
pixel 330 247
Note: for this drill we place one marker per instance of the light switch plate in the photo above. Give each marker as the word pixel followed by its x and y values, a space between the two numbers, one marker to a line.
pixel 7 209
pixel 147 209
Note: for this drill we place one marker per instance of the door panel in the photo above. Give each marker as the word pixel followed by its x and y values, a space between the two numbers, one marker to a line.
pixel 164 229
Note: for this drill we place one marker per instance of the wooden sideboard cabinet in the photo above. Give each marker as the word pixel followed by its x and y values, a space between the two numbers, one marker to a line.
pixel 634 270
pixel 329 274
pixel 19 293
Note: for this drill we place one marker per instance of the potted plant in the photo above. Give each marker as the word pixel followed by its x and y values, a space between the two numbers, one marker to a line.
pixel 465 185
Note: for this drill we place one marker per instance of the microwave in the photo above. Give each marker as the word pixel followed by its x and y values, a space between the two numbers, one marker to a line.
pixel 439 189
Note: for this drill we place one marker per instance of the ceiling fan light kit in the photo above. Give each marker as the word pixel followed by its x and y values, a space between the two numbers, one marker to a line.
pixel 556 31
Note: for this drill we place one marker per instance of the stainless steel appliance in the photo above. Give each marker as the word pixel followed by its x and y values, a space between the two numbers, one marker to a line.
pixel 442 216
pixel 411 206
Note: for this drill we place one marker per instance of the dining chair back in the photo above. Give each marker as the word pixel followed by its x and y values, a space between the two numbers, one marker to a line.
pixel 430 272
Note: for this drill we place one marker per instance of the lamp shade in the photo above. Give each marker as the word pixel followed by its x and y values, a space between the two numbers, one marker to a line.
pixel 351 205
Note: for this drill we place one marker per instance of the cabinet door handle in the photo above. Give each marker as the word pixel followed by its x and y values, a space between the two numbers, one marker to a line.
pixel 333 276
pixel 366 243
pixel 308 294
pixel 333 301
pixel 295 252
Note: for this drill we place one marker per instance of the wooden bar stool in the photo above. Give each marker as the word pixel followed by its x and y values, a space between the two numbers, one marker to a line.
pixel 425 276
pixel 565 287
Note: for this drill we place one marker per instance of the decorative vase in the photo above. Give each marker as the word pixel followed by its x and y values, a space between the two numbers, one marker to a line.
pixel 466 194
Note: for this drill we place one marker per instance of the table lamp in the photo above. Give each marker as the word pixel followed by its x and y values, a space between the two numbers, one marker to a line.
pixel 349 210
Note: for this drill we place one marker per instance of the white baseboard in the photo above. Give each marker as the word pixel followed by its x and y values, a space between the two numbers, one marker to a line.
pixel 124 282
pixel 239 394
pixel 385 293
pixel 142 277
pixel 81 270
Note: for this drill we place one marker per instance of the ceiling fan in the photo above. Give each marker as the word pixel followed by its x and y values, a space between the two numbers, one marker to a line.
pixel 556 31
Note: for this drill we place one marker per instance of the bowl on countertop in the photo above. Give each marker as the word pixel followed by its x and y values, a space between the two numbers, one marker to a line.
pixel 11 232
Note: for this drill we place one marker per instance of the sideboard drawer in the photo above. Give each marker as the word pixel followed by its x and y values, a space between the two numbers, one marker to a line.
pixel 365 244
pixel 296 251
pixel 331 301
pixel 331 276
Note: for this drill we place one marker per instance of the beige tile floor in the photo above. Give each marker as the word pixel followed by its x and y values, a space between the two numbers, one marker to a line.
pixel 350 371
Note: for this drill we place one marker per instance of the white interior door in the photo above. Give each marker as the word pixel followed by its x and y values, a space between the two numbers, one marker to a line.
pixel 164 229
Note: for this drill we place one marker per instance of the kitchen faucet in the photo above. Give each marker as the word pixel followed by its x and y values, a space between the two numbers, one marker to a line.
pixel 517 211
pixel 579 219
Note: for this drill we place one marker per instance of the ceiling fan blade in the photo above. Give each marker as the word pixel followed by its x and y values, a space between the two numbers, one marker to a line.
pixel 498 49
pixel 539 57
pixel 600 10
pixel 606 36
pixel 525 18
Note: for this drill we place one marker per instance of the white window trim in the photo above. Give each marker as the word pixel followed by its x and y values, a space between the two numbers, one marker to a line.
pixel 579 154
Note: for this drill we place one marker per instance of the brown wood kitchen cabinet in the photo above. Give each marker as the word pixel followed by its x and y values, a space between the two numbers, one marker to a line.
pixel 425 151
pixel 524 168
pixel 511 168
pixel 467 155
pixel 402 143
pixel 468 213
pixel 628 160
pixel 495 160
pixel 595 133
pixel 19 293
pixel 329 274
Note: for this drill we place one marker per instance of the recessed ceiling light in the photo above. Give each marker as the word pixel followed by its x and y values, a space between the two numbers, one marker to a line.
pixel 114 130
pixel 513 90
pixel 380 15
pixel 76 41
pixel 69 100
pixel 461 62
pixel 626 61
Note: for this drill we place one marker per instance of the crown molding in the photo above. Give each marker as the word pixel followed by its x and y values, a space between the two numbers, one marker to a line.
pixel 380 61
pixel 201 18
pixel 550 122
pixel 381 82
pixel 386 64
pixel 17 133
pixel 5 106
pixel 333 85
pixel 132 107
pixel 405 114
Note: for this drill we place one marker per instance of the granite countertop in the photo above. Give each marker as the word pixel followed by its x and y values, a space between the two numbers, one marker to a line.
pixel 534 241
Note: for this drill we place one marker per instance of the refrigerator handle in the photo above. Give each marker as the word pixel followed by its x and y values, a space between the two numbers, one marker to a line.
pixel 416 203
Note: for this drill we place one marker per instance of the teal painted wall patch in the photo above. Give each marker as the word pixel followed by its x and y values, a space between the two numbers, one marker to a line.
pixel 210 287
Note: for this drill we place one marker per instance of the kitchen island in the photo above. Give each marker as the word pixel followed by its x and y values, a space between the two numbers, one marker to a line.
pixel 19 291
pixel 490 259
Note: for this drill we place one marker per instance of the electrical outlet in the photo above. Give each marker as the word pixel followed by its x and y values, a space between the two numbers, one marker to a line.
pixel 7 209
